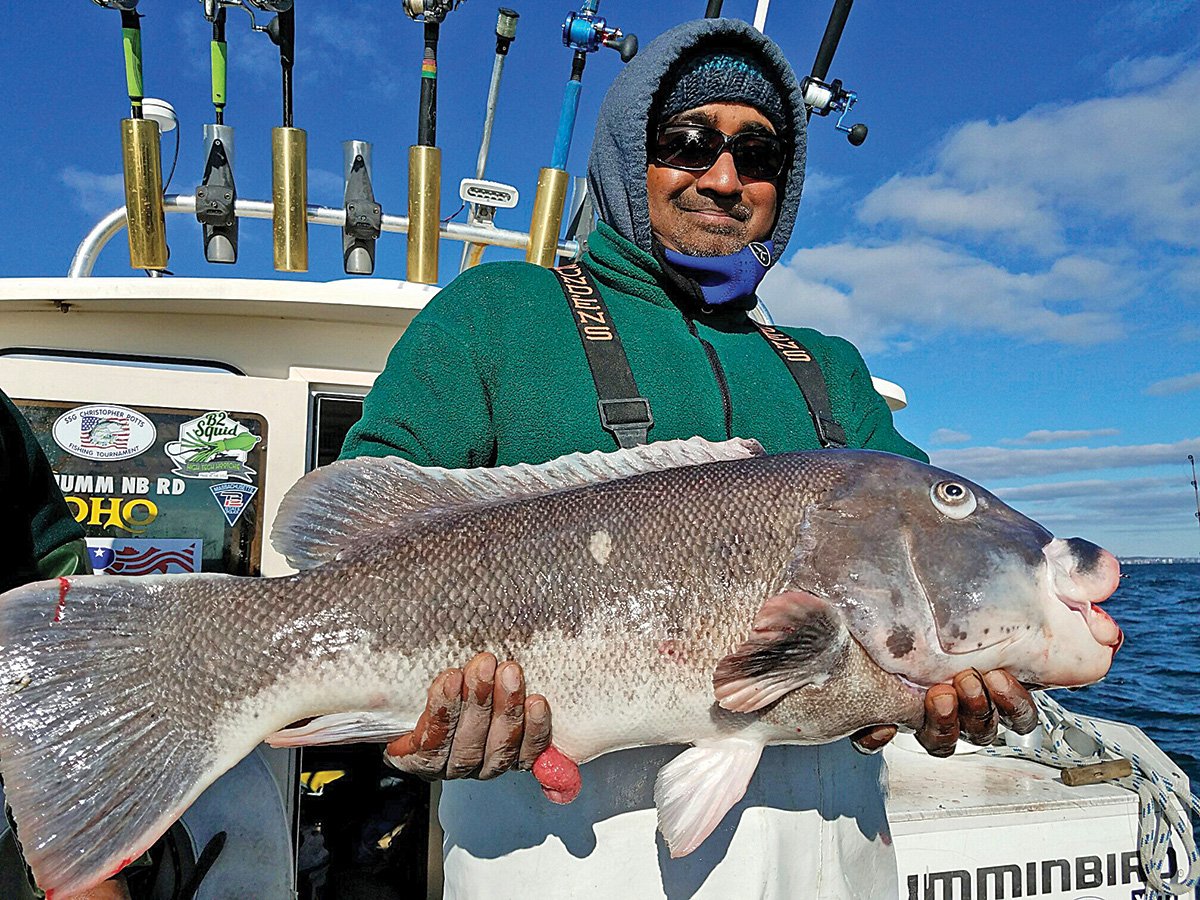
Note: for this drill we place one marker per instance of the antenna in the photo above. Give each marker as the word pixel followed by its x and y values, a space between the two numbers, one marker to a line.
pixel 1195 488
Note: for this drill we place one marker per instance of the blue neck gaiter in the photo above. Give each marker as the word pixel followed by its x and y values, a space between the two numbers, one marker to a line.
pixel 725 278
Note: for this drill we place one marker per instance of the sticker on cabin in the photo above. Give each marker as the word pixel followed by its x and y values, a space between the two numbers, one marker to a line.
pixel 233 498
pixel 104 433
pixel 213 446
pixel 144 556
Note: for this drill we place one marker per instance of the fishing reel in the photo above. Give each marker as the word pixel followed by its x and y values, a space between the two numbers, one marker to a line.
pixel 823 99
pixel 212 7
pixel 433 11
pixel 587 32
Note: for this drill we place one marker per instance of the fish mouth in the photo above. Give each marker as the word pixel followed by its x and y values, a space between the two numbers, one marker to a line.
pixel 1098 622
pixel 1083 575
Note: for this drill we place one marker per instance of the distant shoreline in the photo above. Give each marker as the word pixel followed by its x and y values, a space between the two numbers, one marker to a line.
pixel 1157 560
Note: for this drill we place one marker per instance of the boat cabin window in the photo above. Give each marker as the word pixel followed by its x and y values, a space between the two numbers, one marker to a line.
pixel 332 416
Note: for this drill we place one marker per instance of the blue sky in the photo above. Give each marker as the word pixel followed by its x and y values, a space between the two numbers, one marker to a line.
pixel 1016 243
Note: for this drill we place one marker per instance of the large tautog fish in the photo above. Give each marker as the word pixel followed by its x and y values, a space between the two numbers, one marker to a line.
pixel 683 592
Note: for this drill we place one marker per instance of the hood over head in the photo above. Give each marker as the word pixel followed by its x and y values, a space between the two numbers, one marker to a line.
pixel 618 162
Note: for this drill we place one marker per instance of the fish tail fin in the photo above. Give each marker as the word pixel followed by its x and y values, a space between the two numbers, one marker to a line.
pixel 100 748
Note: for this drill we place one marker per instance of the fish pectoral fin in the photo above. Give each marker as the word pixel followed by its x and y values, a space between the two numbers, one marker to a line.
pixel 695 790
pixel 797 639
pixel 342 728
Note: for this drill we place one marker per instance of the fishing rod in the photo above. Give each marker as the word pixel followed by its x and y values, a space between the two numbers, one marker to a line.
pixel 822 97
pixel 713 11
pixel 485 197
pixel 217 194
pixel 141 154
pixel 583 32
pixel 289 151
pixel 424 157
pixel 1195 487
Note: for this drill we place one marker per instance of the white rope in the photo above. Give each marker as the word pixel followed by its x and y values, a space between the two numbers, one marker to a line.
pixel 1162 799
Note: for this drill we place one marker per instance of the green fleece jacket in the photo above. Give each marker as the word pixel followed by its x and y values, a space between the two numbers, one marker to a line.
pixel 38 536
pixel 493 372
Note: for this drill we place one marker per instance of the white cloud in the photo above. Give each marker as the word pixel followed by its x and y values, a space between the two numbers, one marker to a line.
pixel 1056 491
pixel 986 464
pixel 1042 436
pixel 1100 157
pixel 96 193
pixel 875 295
pixel 1101 209
pixel 1140 72
pixel 1175 385
pixel 820 185
pixel 948 436
pixel 934 205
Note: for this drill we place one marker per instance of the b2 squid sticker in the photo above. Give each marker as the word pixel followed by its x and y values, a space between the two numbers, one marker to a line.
pixel 213 446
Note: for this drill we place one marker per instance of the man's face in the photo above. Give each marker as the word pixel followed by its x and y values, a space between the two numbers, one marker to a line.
pixel 718 211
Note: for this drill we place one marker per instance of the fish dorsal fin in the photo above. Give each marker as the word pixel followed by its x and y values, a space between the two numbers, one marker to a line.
pixel 334 507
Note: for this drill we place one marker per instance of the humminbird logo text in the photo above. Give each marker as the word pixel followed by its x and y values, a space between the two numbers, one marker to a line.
pixel 1033 879
pixel 784 345
pixel 591 318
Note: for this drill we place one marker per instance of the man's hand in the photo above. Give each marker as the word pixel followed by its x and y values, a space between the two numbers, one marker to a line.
pixel 477 723
pixel 971 706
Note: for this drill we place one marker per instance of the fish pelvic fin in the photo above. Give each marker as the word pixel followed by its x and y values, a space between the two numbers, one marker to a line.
pixel 341 728
pixel 97 762
pixel 338 505
pixel 797 639
pixel 695 790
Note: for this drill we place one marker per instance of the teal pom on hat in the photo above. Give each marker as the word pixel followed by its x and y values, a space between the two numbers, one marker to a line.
pixel 723 76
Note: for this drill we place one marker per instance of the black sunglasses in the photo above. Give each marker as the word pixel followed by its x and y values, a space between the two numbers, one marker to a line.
pixel 696 148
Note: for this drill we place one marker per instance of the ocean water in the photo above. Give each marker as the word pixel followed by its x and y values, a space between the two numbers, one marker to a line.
pixel 1155 679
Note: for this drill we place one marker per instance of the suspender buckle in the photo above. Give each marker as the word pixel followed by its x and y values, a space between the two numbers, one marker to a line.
pixel 628 420
pixel 830 433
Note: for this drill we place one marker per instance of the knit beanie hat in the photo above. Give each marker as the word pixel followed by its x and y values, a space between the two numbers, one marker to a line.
pixel 714 76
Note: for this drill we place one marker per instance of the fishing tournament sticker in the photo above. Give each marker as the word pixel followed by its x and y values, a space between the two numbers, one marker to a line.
pixel 104 433
pixel 213 446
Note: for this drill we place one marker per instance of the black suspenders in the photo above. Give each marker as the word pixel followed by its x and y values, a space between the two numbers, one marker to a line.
pixel 624 413
pixel 811 381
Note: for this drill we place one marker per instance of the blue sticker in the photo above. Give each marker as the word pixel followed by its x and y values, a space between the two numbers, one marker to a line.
pixel 234 497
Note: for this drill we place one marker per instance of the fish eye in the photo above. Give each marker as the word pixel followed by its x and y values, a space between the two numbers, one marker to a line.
pixel 953 499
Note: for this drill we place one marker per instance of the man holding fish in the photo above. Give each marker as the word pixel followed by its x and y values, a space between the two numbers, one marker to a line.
pixel 696 169
pixel 742 596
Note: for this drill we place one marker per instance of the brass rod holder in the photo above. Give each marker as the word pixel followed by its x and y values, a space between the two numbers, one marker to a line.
pixel 547 216
pixel 424 209
pixel 142 162
pixel 289 159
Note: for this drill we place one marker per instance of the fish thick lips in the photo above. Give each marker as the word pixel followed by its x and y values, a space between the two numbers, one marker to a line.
pixel 1085 575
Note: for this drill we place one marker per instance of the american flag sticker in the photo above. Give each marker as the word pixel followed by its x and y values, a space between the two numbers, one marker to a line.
pixel 104 433
pixel 145 556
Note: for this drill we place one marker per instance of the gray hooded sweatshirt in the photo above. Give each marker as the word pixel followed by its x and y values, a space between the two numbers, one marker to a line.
pixel 617 165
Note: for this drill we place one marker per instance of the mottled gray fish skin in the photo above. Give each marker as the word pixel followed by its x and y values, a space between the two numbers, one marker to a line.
pixel 633 604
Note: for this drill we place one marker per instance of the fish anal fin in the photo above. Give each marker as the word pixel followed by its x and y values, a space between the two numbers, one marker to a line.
pixel 341 728
pixel 695 790
pixel 796 639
